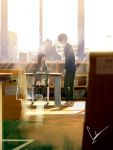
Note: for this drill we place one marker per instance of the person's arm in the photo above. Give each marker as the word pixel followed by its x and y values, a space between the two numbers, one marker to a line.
pixel 69 58
pixel 67 50
pixel 44 80
pixel 37 77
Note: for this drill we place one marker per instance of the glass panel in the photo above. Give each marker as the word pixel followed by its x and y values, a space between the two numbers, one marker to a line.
pixel 23 26
pixel 0 26
pixel 60 16
pixel 0 88
pixel 98 25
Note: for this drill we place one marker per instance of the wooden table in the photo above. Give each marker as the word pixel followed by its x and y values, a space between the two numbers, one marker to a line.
pixel 2 75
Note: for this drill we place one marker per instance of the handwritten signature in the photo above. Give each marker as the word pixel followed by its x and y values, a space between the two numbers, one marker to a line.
pixel 96 134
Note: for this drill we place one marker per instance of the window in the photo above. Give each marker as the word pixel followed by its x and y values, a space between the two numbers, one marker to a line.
pixel 23 24
pixel 26 27
pixel 0 27
pixel 60 16
pixel 98 25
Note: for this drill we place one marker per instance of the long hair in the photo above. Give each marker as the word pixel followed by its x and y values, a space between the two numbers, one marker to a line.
pixel 39 58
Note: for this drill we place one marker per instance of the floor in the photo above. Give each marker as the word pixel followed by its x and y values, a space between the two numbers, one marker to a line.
pixel 46 128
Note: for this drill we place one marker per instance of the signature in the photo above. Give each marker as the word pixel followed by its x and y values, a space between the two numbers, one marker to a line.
pixel 96 134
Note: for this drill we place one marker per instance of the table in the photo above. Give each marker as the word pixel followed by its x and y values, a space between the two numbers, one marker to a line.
pixel 2 75
pixel 57 91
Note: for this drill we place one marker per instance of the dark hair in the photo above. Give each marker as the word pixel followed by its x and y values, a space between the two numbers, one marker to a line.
pixel 62 37
pixel 39 58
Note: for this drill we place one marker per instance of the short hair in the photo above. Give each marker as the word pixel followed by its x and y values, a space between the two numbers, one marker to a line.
pixel 62 37
pixel 48 41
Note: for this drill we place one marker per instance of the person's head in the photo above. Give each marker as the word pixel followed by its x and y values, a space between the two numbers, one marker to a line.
pixel 47 43
pixel 41 58
pixel 62 38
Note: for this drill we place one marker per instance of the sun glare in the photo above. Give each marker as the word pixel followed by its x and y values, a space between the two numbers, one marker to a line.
pixel 98 25
pixel 60 17
pixel 23 19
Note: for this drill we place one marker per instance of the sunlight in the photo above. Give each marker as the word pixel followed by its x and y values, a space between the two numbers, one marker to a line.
pixel 23 19
pixel 59 17
pixel 98 25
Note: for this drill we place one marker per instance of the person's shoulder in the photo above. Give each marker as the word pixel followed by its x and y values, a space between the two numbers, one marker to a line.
pixel 68 45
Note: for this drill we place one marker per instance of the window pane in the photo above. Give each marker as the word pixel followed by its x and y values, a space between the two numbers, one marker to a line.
pixel 0 15
pixel 23 24
pixel 98 25
pixel 60 16
pixel 0 27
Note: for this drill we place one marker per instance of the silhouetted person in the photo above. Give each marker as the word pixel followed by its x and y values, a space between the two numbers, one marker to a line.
pixel 50 51
pixel 69 70
pixel 41 80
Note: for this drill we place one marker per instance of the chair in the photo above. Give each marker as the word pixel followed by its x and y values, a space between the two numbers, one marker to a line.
pixel 33 91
